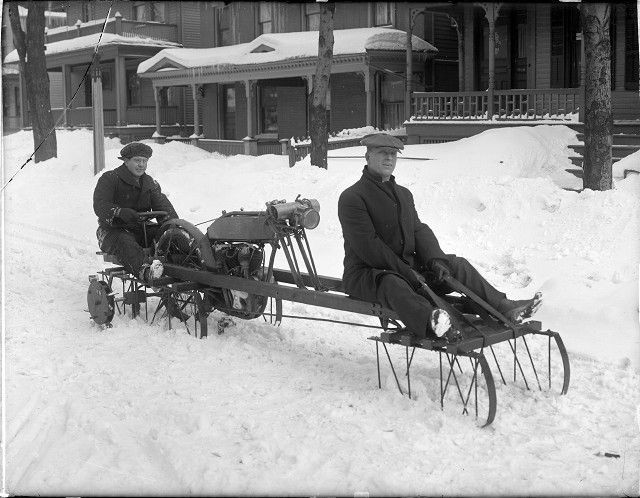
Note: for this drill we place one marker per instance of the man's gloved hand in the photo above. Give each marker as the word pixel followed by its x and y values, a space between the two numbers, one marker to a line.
pixel 439 269
pixel 162 219
pixel 128 215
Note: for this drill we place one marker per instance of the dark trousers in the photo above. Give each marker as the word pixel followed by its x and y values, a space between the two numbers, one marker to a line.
pixel 127 245
pixel 415 310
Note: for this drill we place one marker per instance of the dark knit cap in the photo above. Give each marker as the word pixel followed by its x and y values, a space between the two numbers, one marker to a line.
pixel 135 149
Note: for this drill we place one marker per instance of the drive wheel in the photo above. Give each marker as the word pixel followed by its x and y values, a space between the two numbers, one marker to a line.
pixel 181 243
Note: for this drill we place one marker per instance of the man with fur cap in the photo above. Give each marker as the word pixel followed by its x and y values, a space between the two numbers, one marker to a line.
pixel 119 196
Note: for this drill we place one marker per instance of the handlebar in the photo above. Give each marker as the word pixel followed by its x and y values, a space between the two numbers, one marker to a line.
pixel 147 215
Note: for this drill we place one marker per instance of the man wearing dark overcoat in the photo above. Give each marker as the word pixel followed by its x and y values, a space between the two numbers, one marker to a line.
pixel 119 196
pixel 390 254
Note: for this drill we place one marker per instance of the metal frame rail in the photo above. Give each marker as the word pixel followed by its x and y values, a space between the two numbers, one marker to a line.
pixel 485 335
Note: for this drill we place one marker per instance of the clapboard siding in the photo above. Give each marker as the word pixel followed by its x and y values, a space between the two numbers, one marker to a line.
pixel 244 14
pixel 208 25
pixel 241 112
pixel 56 92
pixel 292 111
pixel 351 15
pixel 348 101
pixel 209 108
pixel 626 104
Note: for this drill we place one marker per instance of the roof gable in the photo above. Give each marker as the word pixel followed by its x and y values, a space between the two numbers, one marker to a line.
pixel 262 48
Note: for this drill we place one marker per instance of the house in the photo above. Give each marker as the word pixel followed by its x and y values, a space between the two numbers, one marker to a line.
pixel 186 69
pixel 13 99
pixel 261 89
pixel 130 101
pixel 533 72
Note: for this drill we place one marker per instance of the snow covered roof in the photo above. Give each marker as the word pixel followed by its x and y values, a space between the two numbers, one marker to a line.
pixel 90 41
pixel 23 12
pixel 274 47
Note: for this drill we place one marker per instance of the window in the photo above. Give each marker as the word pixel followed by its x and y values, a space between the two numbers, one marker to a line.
pixel 268 109
pixel 140 12
pixel 224 23
pixel 264 22
pixel 631 44
pixel 229 109
pixel 133 87
pixel 157 11
pixel 149 11
pixel 382 15
pixel 16 95
pixel 312 16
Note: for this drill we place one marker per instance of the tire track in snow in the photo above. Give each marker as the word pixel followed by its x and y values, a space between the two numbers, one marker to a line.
pixel 43 430
pixel 49 231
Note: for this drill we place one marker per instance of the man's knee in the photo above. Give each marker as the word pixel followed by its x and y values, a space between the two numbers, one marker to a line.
pixel 392 283
pixel 458 264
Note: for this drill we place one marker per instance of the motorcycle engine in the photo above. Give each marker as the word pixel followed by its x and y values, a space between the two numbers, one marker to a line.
pixel 244 260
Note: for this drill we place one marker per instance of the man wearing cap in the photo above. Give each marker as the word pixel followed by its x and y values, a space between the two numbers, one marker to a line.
pixel 390 255
pixel 118 197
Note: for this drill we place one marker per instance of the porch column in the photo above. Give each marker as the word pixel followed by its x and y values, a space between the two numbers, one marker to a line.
pixel 409 74
pixel 65 92
pixel 309 78
pixel 368 95
pixel 23 101
pixel 158 134
pixel 249 87
pixel 491 11
pixel 469 76
pixel 120 76
pixel 195 89
pixel 98 118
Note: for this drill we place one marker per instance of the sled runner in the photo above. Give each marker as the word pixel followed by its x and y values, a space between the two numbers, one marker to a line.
pixel 230 268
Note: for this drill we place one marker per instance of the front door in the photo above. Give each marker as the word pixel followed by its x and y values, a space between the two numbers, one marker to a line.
pixel 565 47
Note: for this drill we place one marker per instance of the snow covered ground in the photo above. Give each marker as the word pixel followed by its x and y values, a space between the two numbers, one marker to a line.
pixel 140 409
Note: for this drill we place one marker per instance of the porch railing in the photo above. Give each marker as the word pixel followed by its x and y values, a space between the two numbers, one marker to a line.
pixel 301 150
pixel 157 31
pixel 224 147
pixel 146 114
pixel 124 27
pixel 143 115
pixel 558 103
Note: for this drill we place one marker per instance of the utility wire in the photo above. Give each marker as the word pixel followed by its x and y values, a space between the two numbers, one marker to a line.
pixel 84 77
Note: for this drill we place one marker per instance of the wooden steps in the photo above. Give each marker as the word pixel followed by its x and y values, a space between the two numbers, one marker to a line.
pixel 626 141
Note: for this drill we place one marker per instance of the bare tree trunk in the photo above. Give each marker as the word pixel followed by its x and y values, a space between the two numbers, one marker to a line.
pixel 34 69
pixel 598 115
pixel 320 111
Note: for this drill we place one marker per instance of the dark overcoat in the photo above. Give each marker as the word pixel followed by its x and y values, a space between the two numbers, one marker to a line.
pixel 382 234
pixel 119 188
